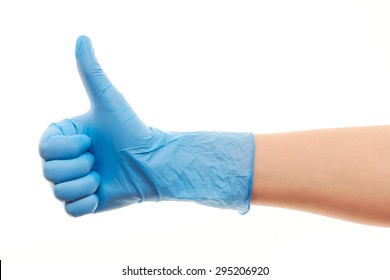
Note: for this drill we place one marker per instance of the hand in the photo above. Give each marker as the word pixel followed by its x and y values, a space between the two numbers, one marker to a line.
pixel 108 158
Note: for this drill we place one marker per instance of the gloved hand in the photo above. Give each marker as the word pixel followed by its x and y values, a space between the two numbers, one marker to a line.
pixel 108 158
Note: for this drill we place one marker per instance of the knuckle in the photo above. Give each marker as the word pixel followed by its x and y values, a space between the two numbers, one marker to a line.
pixel 69 211
pixel 58 192
pixel 47 171
pixel 44 147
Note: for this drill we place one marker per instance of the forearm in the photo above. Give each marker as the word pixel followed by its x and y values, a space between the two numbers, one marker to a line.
pixel 344 173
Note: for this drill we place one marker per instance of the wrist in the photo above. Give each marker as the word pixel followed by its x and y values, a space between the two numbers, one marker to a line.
pixel 210 168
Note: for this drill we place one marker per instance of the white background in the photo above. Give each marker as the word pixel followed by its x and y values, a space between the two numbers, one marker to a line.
pixel 261 66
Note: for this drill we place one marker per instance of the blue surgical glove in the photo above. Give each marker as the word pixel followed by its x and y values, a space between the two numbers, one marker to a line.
pixel 108 158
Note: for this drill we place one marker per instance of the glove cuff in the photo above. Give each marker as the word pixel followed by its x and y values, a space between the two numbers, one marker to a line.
pixel 210 168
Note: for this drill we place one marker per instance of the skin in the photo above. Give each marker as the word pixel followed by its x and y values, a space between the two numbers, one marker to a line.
pixel 342 173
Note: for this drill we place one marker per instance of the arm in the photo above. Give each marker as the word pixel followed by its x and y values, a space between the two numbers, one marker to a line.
pixel 108 158
pixel 344 173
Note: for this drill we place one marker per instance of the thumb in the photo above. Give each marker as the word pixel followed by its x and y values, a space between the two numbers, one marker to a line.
pixel 102 94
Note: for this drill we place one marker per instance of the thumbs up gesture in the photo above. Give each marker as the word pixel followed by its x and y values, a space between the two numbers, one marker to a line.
pixel 108 158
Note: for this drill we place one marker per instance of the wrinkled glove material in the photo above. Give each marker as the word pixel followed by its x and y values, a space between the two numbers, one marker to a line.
pixel 211 168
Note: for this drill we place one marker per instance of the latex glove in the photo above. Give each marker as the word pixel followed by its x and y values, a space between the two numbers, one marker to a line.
pixel 108 158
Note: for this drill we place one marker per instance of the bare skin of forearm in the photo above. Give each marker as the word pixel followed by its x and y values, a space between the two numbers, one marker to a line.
pixel 342 173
